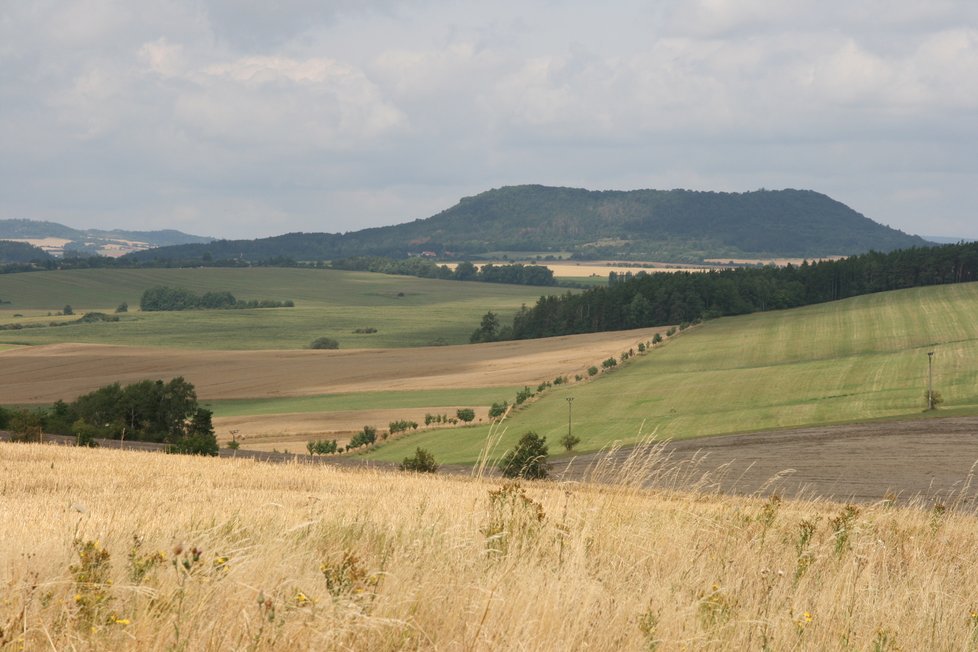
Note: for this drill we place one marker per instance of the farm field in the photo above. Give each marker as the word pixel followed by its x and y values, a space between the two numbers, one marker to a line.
pixel 405 311
pixel 306 394
pixel 115 550
pixel 853 360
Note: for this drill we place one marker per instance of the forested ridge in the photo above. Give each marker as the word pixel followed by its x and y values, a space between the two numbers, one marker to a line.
pixel 665 225
pixel 683 297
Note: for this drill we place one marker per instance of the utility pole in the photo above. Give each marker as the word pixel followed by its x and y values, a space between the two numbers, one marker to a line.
pixel 570 401
pixel 930 380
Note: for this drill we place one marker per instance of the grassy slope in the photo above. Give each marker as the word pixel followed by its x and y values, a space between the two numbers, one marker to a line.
pixel 328 303
pixel 863 358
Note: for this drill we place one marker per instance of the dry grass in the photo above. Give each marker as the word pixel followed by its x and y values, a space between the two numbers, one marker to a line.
pixel 109 550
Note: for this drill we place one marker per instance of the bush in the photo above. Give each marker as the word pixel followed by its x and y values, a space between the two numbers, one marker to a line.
pixel 365 331
pixel 321 447
pixel 657 338
pixel 122 307
pixel 592 371
pixel 324 343
pixel 670 332
pixel 465 414
pixel 365 437
pixel 422 462
pixel 609 363
pixel 498 409
pixel 569 441
pixel 523 395
pixel 402 425
pixel 641 347
pixel 67 310
pixel 528 459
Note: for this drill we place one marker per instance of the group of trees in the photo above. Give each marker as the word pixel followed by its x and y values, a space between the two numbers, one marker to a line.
pixel 514 274
pixel 672 298
pixel 152 411
pixel 166 298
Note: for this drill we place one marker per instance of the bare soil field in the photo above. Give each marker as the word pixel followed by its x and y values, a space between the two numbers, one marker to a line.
pixel 933 458
pixel 44 374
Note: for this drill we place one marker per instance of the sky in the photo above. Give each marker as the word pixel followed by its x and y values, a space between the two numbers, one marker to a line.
pixel 250 118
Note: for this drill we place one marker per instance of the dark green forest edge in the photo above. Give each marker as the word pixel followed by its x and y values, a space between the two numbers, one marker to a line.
pixel 150 411
pixel 683 297
pixel 662 225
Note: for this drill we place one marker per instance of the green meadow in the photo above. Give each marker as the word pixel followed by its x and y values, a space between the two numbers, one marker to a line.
pixel 406 311
pixel 858 359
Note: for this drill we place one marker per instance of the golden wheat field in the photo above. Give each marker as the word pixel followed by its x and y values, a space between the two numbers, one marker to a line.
pixel 115 550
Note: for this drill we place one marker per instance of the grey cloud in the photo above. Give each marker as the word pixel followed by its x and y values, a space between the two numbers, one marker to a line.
pixel 256 118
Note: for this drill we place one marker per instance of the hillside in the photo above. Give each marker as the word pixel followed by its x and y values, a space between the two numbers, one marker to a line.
pixel 20 252
pixel 59 239
pixel 673 225
pixel 403 310
pixel 850 360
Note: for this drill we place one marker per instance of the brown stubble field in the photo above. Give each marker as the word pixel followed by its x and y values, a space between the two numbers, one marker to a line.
pixel 44 374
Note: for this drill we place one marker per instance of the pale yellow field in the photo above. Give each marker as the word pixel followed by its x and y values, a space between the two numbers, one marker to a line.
pixel 44 374
pixel 115 550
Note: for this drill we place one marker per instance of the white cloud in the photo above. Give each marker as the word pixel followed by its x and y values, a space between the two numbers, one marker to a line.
pixel 330 115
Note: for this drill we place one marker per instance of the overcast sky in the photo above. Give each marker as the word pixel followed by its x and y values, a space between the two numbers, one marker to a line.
pixel 252 118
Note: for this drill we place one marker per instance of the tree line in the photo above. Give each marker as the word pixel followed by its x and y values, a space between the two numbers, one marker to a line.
pixel 164 298
pixel 148 410
pixel 515 273
pixel 683 297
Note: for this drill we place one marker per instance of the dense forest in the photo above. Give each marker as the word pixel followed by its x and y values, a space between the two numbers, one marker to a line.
pixel 664 225
pixel 684 297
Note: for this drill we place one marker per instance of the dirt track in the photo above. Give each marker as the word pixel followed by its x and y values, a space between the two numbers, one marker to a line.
pixel 931 458
pixel 44 374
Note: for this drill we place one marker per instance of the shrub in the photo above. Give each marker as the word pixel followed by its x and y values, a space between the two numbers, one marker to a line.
pixel 522 395
pixel 322 447
pixel 569 441
pixel 401 425
pixel 657 338
pixel 528 459
pixel 422 462
pixel 465 414
pixel 122 307
pixel 498 409
pixel 609 363
pixel 592 371
pixel 365 437
pixel 68 310
pixel 233 445
pixel 670 332
pixel 324 343
pixel 365 331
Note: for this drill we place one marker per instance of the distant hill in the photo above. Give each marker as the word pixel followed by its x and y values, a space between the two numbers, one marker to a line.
pixel 670 225
pixel 20 252
pixel 58 239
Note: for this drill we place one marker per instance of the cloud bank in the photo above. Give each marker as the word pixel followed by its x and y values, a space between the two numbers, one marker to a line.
pixel 244 119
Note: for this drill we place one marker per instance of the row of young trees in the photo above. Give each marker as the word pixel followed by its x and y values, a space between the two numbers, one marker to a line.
pixel 151 411
pixel 673 298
